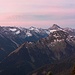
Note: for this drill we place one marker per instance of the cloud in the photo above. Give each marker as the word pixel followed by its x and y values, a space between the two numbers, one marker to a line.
pixel 42 16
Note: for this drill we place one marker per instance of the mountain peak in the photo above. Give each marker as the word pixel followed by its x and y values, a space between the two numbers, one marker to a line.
pixel 55 26
pixel 32 28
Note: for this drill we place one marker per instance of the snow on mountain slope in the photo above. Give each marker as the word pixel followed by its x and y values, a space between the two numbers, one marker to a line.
pixel 33 31
pixel 12 29
pixel 20 32
pixel 17 32
pixel 28 34
pixel 52 31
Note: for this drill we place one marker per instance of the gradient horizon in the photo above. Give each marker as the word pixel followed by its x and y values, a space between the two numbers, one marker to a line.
pixel 38 13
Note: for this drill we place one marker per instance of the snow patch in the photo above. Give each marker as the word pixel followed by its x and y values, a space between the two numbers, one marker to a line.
pixel 48 32
pixel 71 36
pixel 12 29
pixel 18 32
pixel 59 40
pixel 52 31
pixel 31 28
pixel 55 36
pixel 30 42
pixel 28 34
pixel 35 29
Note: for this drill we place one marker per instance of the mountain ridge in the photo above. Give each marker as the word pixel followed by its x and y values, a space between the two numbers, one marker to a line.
pixel 44 51
pixel 58 44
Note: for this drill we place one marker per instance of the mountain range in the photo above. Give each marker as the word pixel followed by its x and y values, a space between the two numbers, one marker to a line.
pixel 36 51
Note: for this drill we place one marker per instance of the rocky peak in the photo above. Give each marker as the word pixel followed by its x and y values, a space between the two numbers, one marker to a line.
pixel 55 26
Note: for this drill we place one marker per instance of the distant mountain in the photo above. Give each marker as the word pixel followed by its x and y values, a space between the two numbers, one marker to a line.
pixel 55 26
pixel 32 55
pixel 23 34
pixel 12 37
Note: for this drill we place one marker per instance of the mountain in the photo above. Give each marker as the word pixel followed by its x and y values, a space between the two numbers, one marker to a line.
pixel 55 26
pixel 23 34
pixel 23 50
pixel 32 55
pixel 12 37
pixel 70 31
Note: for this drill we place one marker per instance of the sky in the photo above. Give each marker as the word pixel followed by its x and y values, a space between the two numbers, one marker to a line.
pixel 38 13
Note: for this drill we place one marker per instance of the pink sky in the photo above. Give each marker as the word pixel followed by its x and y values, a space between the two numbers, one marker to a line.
pixel 38 13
